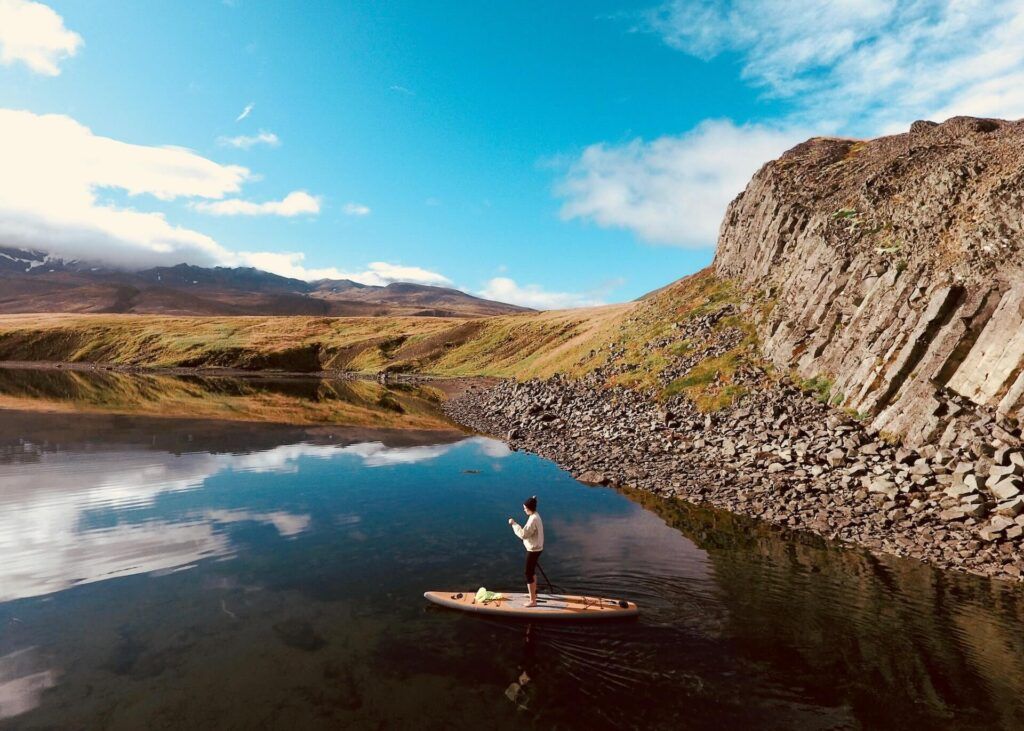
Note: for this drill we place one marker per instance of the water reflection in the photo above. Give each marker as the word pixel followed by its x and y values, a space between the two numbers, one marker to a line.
pixel 22 682
pixel 260 398
pixel 201 574
pixel 73 518
pixel 884 630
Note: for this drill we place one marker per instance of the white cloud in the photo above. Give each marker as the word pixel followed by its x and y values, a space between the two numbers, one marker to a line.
pixel 402 90
pixel 388 273
pixel 54 170
pixel 246 112
pixel 672 190
pixel 356 209
pixel 34 34
pixel 504 289
pixel 296 203
pixel 869 65
pixel 378 273
pixel 863 67
pixel 245 142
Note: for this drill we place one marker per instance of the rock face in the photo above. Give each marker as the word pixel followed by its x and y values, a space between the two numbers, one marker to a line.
pixel 894 269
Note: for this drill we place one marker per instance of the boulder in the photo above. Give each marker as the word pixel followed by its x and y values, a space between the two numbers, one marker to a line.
pixel 1011 508
pixel 836 457
pixel 998 472
pixel 975 510
pixel 990 534
pixel 1005 489
pixel 593 477
pixel 1001 522
pixel 973 481
pixel 951 514
pixel 921 467
pixel 905 456
pixel 882 486
pixel 963 468
pixel 959 491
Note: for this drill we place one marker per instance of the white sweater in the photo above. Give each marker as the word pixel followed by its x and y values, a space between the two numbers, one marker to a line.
pixel 532 533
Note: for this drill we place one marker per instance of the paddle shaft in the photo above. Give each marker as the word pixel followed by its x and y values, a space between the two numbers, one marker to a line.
pixel 551 587
pixel 558 590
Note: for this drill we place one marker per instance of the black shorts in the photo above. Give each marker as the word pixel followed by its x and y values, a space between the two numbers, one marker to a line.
pixel 532 557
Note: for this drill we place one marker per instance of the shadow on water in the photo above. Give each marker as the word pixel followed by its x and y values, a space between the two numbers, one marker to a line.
pixel 193 573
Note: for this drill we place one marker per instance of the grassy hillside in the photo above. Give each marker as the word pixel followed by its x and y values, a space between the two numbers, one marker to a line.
pixel 639 338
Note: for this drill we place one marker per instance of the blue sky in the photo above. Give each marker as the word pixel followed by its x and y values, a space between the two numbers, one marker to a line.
pixel 553 154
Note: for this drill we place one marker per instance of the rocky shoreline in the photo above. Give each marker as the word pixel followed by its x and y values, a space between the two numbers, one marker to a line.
pixel 782 456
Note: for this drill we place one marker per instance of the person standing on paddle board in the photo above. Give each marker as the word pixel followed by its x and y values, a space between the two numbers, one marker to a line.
pixel 532 535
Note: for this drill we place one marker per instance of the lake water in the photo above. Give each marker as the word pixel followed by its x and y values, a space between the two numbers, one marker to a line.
pixel 204 573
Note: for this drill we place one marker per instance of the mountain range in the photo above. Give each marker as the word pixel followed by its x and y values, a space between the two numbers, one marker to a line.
pixel 34 281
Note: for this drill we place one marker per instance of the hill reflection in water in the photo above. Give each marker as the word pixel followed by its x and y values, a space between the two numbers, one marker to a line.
pixel 262 398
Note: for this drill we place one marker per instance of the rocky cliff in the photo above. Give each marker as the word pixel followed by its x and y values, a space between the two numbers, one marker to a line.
pixel 893 268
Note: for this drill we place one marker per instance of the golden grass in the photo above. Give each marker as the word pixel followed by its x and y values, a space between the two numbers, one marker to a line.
pixel 528 345
pixel 710 383
pixel 517 345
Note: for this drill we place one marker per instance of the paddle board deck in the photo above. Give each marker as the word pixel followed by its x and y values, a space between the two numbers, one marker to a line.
pixel 549 606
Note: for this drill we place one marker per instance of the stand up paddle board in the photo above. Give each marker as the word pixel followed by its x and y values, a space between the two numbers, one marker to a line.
pixel 549 606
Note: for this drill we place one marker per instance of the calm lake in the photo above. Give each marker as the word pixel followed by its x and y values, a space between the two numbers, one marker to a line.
pixel 216 572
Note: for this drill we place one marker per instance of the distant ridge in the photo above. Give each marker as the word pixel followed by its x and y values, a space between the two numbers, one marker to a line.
pixel 34 281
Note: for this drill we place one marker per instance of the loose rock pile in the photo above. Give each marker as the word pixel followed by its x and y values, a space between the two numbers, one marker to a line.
pixel 782 456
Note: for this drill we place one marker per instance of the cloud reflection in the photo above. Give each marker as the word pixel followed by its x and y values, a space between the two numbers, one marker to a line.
pixel 49 544
pixel 286 524
pixel 22 682
pixel 635 541
pixel 376 454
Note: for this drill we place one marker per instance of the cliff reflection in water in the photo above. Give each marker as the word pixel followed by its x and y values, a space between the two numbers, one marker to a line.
pixel 884 630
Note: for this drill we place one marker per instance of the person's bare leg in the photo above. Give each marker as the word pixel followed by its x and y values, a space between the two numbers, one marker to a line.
pixel 532 588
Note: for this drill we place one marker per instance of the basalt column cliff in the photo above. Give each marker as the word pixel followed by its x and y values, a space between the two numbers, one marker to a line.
pixel 894 269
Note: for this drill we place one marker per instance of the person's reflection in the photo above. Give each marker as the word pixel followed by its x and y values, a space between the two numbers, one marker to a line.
pixel 521 690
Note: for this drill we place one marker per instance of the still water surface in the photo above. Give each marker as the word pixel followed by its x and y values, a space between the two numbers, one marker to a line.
pixel 167 573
